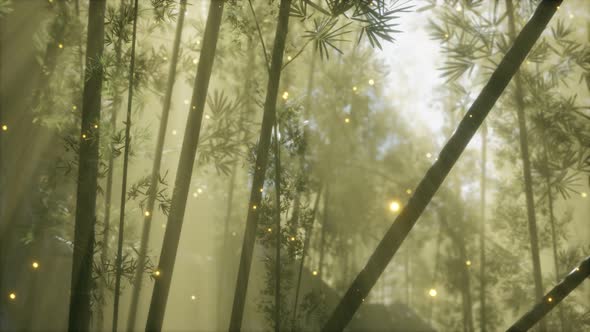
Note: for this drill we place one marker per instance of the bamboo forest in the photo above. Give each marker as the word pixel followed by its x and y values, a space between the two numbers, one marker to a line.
pixel 295 165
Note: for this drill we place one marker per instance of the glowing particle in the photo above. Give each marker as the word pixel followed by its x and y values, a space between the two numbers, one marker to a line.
pixel 582 194
pixel 371 82
pixel 432 292
pixel 292 238
pixel 354 88
pixel 60 45
pixel 35 265
pixel 261 189
pixel 193 297
pixel 186 101
pixel 174 132
pixel 289 58
pixel 468 262
pixel 409 191
pixel 74 107
pixel 157 273
pixel 165 58
pixel 429 155
pixel 207 116
pixel 233 233
pixel 446 36
pixel 200 191
pixel 315 273
pixel 4 127
pixel 95 126
pixel 254 207
pixel 347 120
pixel 269 229
pixel 285 95
pixel 550 299
pixel 195 61
pixel 12 296
pixel 394 206
pixel 83 135
pixel 147 213
pixel 195 195
pixel 459 8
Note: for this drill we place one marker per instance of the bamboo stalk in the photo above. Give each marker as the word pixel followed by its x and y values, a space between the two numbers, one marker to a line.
pixel 155 176
pixel 437 173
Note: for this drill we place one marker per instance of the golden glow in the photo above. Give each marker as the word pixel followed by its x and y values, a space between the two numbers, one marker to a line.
pixel 83 135
pixel 429 155
pixel 174 132
pixel 409 191
pixel 285 95
pixel 60 45
pixel 4 127
pixel 254 207
pixel 549 299
pixel 157 273
pixel 74 107
pixel 446 35
pixel 261 189
pixel 207 116
pixel 459 8
pixel 200 191
pixel 147 213
pixel 315 273
pixel 371 82
pixel 95 126
pixel 582 194
pixel 347 120
pixel 292 238
pixel 269 229
pixel 195 61
pixel 468 262
pixel 35 265
pixel 432 292
pixel 289 58
pixel 354 88
pixel 12 296
pixel 394 206
pixel 193 297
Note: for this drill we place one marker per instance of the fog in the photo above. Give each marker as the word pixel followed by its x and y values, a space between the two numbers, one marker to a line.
pixel 432 169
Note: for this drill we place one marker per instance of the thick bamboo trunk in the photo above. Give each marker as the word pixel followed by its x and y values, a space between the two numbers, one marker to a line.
pixel 437 173
pixel 268 121
pixel 553 297
pixel 155 176
pixel 81 287
pixel 121 238
pixel 185 169
pixel 482 231
pixel 526 168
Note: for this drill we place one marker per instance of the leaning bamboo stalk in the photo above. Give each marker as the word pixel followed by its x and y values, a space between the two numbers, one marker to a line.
pixel 185 169
pixel 262 153
pixel 553 297
pixel 155 176
pixel 437 173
